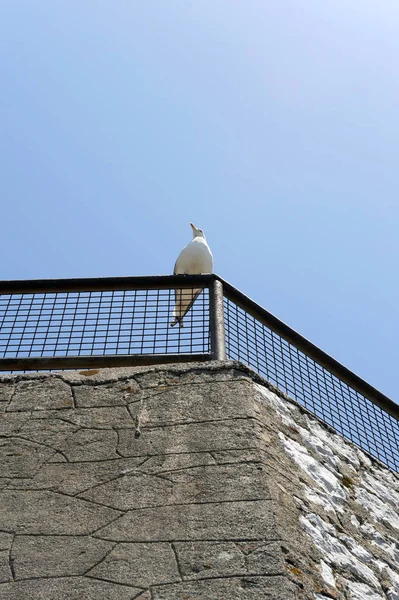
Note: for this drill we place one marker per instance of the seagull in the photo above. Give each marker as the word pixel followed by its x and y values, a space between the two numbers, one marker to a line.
pixel 195 259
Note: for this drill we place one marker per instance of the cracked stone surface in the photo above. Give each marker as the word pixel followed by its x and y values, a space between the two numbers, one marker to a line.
pixel 5 540
pixel 233 588
pixel 56 556
pixel 22 458
pixel 92 418
pixel 45 512
pixel 6 393
pixel 62 588
pixel 185 482
pixel 190 437
pixel 190 402
pixel 210 559
pixel 211 483
pixel 141 564
pixel 73 478
pixel 216 521
pixel 42 394
pixel 91 444
pixel 12 423
pixel 163 463
pixel 145 596
pixel 200 560
pixel 5 573
pixel 110 394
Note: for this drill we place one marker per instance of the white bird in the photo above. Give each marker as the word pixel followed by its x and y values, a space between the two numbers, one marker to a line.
pixel 195 258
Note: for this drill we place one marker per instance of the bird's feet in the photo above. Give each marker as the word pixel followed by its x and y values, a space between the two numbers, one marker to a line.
pixel 177 320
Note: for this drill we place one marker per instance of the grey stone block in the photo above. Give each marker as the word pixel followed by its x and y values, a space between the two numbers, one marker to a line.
pixel 174 462
pixel 160 375
pixel 110 394
pixel 238 456
pixel 21 458
pixel 5 540
pixel 192 437
pixel 102 417
pixel 56 556
pixel 203 560
pixel 66 588
pixel 219 483
pixel 6 392
pixel 11 423
pixel 262 558
pixel 74 478
pixel 132 491
pixel 5 571
pixel 91 445
pixel 37 512
pixel 188 403
pixel 223 521
pixel 41 394
pixel 140 565
pixel 234 588
pixel 99 376
pixel 211 483
pixel 52 432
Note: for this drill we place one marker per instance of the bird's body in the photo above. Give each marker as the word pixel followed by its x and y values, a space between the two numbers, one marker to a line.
pixel 195 258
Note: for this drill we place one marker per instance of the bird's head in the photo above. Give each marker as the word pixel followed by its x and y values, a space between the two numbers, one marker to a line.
pixel 197 232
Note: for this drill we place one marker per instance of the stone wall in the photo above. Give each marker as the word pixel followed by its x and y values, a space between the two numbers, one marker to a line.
pixel 195 482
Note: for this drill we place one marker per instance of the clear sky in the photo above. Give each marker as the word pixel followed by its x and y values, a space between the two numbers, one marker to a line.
pixel 272 125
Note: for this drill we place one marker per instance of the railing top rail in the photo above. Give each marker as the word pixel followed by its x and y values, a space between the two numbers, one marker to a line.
pixel 90 284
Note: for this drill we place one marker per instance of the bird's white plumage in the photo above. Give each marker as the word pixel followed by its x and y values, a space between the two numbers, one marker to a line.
pixel 195 258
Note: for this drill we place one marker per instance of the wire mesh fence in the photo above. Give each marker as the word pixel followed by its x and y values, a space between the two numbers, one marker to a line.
pixel 101 323
pixel 127 321
pixel 317 389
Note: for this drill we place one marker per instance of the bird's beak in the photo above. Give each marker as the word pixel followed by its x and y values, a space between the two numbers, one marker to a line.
pixel 193 227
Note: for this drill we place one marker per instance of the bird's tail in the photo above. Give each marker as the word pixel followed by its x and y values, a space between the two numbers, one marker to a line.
pixel 184 299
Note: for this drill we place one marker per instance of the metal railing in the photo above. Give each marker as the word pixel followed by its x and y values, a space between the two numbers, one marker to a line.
pixel 125 321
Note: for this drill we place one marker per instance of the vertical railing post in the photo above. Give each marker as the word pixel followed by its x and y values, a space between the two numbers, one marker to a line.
pixel 216 320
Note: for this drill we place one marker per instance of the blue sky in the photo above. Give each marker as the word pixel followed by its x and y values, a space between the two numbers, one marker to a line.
pixel 272 125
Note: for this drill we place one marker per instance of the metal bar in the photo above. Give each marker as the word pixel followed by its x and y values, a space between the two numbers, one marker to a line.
pixel 156 282
pixel 216 320
pixel 305 346
pixel 83 362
